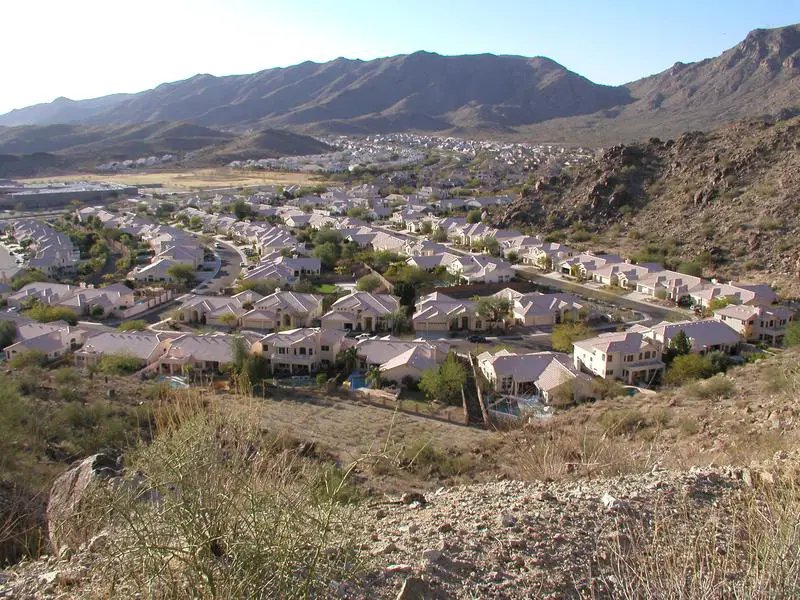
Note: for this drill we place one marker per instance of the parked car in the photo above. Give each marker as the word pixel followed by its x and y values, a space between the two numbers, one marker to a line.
pixel 476 339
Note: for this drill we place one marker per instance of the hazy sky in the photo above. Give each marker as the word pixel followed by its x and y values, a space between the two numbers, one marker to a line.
pixel 88 48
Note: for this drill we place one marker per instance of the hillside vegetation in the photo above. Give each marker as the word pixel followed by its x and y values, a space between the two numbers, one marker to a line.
pixel 620 502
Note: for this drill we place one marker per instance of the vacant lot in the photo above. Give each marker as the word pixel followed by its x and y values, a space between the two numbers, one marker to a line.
pixel 193 178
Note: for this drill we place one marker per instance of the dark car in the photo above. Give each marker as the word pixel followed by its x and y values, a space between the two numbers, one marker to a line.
pixel 476 339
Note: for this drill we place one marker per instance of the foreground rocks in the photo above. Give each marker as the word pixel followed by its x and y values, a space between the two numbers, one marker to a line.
pixel 68 498
pixel 505 539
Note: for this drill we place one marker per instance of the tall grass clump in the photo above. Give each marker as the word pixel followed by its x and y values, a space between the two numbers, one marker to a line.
pixel 226 510
pixel 747 548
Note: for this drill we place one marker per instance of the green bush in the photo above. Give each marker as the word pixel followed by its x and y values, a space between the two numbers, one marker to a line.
pixel 119 364
pixel 44 313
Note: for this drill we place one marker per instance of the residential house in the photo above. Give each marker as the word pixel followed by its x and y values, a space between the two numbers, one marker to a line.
pixel 360 311
pixel 281 309
pixel 735 293
pixel 539 374
pixel 300 351
pixel 201 353
pixel 437 312
pixel 624 274
pixel 146 347
pixel 626 355
pixel 53 339
pixel 537 309
pixel 706 335
pixel 586 263
pixel 757 323
pixel 669 285
pixel 400 360
pixel 481 269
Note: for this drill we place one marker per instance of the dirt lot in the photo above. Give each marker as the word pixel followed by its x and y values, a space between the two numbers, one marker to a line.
pixel 192 178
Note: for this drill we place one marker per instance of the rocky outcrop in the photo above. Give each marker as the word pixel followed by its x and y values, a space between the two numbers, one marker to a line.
pixel 68 525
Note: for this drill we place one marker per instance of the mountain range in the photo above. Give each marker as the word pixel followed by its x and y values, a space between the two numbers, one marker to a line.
pixel 500 95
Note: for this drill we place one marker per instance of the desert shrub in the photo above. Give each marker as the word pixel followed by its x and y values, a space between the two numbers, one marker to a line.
pixel 29 358
pixel 718 386
pixel 66 376
pixel 423 457
pixel 119 364
pixel 133 325
pixel 623 421
pixel 235 517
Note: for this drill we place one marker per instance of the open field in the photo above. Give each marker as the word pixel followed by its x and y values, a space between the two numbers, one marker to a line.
pixel 191 179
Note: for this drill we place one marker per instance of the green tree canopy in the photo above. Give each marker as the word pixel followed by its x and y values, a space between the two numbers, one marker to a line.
pixel 679 345
pixel 8 333
pixel 182 273
pixel 444 383
pixel 369 283
pixel 566 334
pixel 493 309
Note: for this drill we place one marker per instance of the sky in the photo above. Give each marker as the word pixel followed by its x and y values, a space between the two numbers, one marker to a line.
pixel 88 48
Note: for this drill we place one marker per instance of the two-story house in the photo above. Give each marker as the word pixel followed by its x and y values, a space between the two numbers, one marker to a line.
pixel 625 355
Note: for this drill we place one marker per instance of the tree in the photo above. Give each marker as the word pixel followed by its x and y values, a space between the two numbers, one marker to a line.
pixel 182 273
pixel 347 359
pixel 688 367
pixel 230 320
pixel 369 283
pixel 679 345
pixel 96 311
pixel 8 333
pixel 565 334
pixel 265 287
pixel 241 210
pixel 195 222
pixel 45 313
pixel 690 268
pixel 444 383
pixel 426 228
pixel 328 254
pixel 492 309
pixel 545 263
pixel 720 302
pixel 474 216
pixel 406 293
pixel 373 377
pixel 397 322
pixel 491 245
pixel 439 235
pixel 119 364
pixel 133 325
pixel 792 335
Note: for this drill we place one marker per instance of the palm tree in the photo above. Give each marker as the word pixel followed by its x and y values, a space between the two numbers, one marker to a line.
pixel 373 377
pixel 348 359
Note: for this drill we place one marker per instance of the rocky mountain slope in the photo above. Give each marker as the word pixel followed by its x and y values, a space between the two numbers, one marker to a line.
pixel 529 97
pixel 727 199
pixel 758 76
pixel 417 91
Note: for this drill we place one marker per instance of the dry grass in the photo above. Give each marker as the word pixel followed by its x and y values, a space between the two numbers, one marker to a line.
pixel 745 416
pixel 747 547
pixel 193 178
pixel 223 510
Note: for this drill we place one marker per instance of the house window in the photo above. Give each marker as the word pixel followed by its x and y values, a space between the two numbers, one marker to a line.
pixel 609 358
pixel 629 358
pixel 302 351
pixel 281 350
pixel 325 348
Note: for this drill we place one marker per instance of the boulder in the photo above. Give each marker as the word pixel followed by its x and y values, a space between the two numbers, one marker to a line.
pixel 68 498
